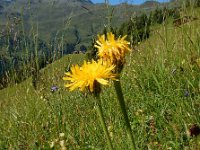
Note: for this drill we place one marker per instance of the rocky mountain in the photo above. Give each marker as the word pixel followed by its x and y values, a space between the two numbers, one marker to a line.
pixel 78 21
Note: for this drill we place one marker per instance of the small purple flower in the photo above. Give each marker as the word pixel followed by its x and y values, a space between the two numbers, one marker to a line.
pixel 54 88
pixel 186 94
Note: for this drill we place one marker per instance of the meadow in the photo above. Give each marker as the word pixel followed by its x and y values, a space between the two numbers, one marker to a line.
pixel 160 83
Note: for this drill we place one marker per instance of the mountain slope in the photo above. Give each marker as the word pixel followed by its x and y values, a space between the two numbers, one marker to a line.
pixel 52 17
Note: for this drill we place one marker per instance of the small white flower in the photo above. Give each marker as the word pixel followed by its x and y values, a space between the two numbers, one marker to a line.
pixel 63 148
pixel 61 135
pixel 62 143
pixel 52 144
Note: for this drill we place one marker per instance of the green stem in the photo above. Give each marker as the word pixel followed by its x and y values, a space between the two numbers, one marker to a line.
pixel 100 112
pixel 124 112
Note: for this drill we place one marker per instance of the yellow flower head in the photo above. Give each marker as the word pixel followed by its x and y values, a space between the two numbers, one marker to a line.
pixel 88 75
pixel 111 49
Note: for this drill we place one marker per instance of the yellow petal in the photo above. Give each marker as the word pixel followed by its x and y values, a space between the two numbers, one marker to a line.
pixel 102 81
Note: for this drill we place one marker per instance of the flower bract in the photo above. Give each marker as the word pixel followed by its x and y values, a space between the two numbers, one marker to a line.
pixel 87 75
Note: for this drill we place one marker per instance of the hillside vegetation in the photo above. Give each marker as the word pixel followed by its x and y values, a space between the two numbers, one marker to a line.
pixel 160 82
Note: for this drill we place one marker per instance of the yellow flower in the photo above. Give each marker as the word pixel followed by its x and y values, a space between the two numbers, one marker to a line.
pixel 111 49
pixel 88 75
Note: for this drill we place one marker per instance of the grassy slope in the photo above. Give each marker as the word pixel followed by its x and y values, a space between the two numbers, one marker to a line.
pixel 154 81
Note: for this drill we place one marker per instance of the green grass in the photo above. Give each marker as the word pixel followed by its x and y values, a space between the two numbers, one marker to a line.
pixel 155 78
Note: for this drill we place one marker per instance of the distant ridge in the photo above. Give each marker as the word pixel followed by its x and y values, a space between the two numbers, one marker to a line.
pixel 150 3
pixel 78 20
pixel 60 1
pixel 71 1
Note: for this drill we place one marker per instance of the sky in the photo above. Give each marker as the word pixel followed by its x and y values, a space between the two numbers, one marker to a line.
pixel 114 2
